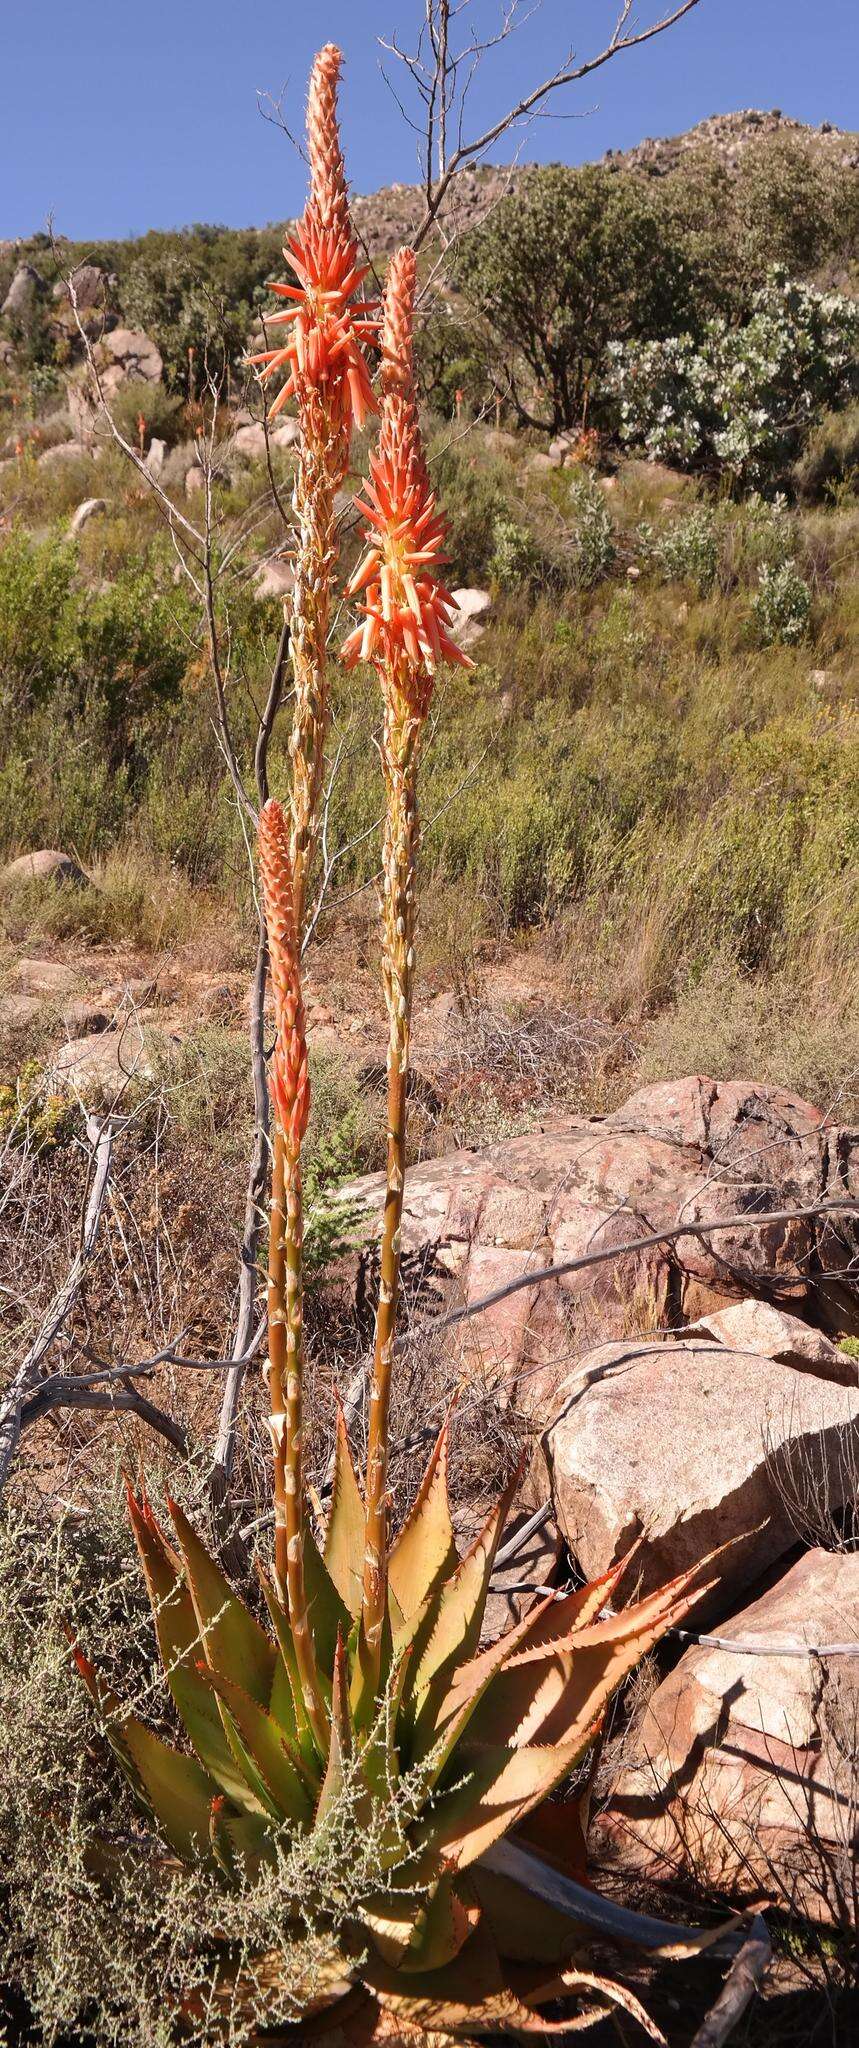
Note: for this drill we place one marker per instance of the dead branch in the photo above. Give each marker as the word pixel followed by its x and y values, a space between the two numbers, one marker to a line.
pixel 100 1137
pixel 440 71
pixel 742 1984
pixel 67 1391
pixel 512 1860
pixel 746 1220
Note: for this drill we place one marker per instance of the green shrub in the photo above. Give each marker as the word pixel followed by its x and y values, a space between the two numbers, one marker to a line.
pixel 782 606
pixel 739 399
pixel 122 648
pixel 161 414
pixel 590 542
pixel 515 562
pixel 830 456
pixel 567 259
pixel 59 785
pixel 687 551
pixel 473 498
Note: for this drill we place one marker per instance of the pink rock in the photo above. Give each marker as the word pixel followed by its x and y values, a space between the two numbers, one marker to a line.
pixel 686 1445
pixel 758 1327
pixel 744 1771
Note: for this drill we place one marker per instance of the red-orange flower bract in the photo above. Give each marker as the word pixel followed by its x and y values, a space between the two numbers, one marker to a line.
pixel 407 611
pixel 290 1083
pixel 324 352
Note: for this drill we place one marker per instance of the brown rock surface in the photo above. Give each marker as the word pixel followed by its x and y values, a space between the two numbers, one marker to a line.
pixel 695 1148
pixel 692 1446
pixel 745 1769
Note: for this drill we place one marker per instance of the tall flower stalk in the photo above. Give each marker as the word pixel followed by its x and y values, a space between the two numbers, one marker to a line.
pixel 322 353
pixel 327 329
pixel 290 1091
pixel 407 614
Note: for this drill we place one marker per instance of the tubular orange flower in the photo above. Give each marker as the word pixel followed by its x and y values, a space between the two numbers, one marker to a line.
pixel 407 611
pixel 324 353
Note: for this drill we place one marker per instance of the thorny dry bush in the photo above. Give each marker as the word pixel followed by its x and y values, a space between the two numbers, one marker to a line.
pixel 819 1488
pixel 112 1962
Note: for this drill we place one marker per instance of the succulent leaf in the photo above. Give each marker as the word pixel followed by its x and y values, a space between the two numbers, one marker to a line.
pixel 442 1925
pixel 275 1776
pixel 180 1644
pixel 495 1788
pixel 232 1640
pixel 342 1742
pixel 544 1695
pixel 459 1618
pixel 328 1612
pixel 175 1787
pixel 424 1553
pixel 344 1536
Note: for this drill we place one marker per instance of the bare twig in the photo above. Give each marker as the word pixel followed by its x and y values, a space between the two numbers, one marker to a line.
pixel 746 1220
pixel 441 71
pixel 742 1984
pixel 100 1137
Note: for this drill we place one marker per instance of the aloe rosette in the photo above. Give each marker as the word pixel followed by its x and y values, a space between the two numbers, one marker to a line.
pixel 482 1736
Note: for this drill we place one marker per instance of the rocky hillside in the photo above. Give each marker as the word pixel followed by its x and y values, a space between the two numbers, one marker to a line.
pixel 387 217
pixel 729 135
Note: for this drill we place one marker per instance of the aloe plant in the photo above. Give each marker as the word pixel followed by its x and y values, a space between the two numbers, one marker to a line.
pixel 371 1691
pixel 476 1739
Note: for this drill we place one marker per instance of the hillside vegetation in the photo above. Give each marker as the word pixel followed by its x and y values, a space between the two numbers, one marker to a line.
pixel 651 778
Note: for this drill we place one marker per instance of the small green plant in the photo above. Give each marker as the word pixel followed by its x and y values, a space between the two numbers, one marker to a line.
pixel 515 561
pixel 31 1115
pixel 781 607
pixel 591 546
pixel 687 551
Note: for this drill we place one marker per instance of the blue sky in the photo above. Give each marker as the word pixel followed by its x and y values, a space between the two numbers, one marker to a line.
pixel 116 118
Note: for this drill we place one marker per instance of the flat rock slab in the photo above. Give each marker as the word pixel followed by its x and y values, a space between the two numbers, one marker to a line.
pixel 47 977
pixel 758 1327
pixel 691 1445
pixel 744 1771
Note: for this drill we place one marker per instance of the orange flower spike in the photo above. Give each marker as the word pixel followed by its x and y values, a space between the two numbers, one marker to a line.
pixel 328 332
pixel 290 1079
pixel 407 612
pixel 328 189
pixel 405 632
pixel 322 333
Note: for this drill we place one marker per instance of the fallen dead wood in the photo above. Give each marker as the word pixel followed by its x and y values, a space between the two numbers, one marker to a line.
pixel 742 1984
